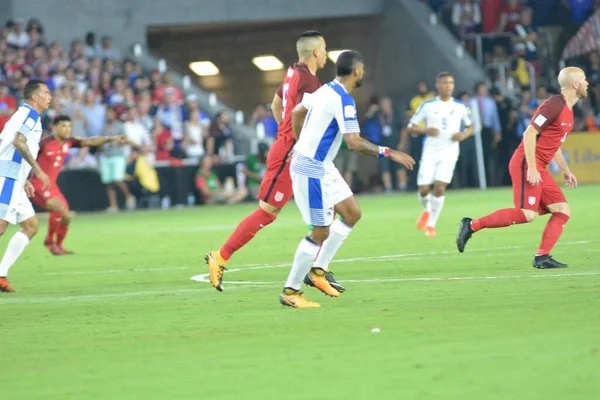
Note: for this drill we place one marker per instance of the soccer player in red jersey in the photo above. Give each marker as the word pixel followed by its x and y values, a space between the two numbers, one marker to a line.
pixel 53 150
pixel 534 190
pixel 276 187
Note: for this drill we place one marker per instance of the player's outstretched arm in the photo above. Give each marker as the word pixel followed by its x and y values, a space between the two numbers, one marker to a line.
pixel 357 143
pixel 101 140
pixel 298 117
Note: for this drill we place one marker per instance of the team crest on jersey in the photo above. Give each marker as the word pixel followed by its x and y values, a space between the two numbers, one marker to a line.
pixel 531 200
pixel 278 196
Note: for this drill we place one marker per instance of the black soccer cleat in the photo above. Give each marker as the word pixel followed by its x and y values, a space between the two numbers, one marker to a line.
pixel 547 262
pixel 464 233
pixel 329 276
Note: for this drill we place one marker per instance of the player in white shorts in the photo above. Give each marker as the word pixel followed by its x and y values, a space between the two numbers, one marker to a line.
pixel 443 118
pixel 19 146
pixel 325 118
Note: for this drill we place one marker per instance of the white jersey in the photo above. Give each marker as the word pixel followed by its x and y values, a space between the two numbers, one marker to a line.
pixel 447 117
pixel 331 114
pixel 26 121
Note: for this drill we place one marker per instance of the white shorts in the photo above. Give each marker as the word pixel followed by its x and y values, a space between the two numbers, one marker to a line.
pixel 15 206
pixel 316 198
pixel 432 169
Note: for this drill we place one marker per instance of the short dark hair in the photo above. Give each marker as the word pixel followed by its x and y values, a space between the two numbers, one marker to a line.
pixel 60 118
pixel 310 34
pixel 443 74
pixel 478 85
pixel 346 62
pixel 31 87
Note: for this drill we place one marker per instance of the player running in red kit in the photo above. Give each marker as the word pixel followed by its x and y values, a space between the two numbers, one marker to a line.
pixel 51 157
pixel 276 187
pixel 534 190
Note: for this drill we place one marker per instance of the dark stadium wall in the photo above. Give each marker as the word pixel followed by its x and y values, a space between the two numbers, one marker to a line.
pixel 232 46
pixel 127 20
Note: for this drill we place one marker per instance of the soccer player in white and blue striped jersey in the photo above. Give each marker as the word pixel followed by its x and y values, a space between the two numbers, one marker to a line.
pixel 443 116
pixel 19 146
pixel 320 123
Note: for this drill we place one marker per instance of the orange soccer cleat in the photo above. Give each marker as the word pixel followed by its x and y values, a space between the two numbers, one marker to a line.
pixel 319 280
pixel 422 221
pixel 430 231
pixel 5 287
pixel 295 299
pixel 216 267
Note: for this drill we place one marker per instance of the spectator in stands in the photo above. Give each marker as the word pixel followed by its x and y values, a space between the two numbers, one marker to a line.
pixel 510 139
pixel 490 127
pixel 252 172
pixel 210 187
pixel 144 117
pixel 94 114
pixel 491 10
pixel 264 123
pixel 113 162
pixel 117 95
pixel 509 16
pixel 526 33
pixel 163 142
pixel 90 49
pixel 466 17
pixel 192 105
pixel 8 104
pixel 43 74
pixel 415 142
pixel 17 37
pixel 518 67
pixel 171 116
pixel 167 84
pixel 392 128
pixel 194 136
pixel 138 136
pixel 106 50
pixel 220 142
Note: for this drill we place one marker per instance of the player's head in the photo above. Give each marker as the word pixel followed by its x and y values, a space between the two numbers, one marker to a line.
pixel 349 66
pixel 444 84
pixel 572 79
pixel 37 94
pixel 62 126
pixel 311 48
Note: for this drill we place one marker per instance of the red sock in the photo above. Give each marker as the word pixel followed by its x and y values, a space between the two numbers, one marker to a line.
pixel 499 219
pixel 53 222
pixel 61 232
pixel 245 231
pixel 552 232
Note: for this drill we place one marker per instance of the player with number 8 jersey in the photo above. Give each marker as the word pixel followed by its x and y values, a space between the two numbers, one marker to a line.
pixel 276 187
pixel 534 189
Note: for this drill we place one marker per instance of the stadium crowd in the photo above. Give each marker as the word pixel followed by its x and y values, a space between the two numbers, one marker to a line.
pixel 106 94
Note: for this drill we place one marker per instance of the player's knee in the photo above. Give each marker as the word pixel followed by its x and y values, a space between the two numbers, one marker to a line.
pixel 319 234
pixel 562 208
pixel 30 227
pixel 529 215
pixel 439 189
pixel 66 217
pixel 269 208
pixel 423 190
pixel 352 217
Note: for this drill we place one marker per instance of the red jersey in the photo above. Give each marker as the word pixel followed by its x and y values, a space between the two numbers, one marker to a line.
pixel 52 155
pixel 298 80
pixel 554 120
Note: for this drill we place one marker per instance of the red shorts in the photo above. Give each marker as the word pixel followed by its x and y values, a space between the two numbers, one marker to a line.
pixel 534 198
pixel 276 186
pixel 41 196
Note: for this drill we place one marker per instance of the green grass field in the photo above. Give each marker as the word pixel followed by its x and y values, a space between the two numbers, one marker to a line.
pixel 122 319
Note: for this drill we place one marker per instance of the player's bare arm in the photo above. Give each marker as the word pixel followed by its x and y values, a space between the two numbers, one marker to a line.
pixel 423 131
pixel 570 179
pixel 529 141
pixel 357 143
pixel 20 143
pixel 298 117
pixel 277 108
pixel 460 136
pixel 101 140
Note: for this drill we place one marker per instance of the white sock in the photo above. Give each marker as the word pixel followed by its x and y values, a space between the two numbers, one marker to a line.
pixel 305 254
pixel 437 203
pixel 338 232
pixel 16 245
pixel 425 201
